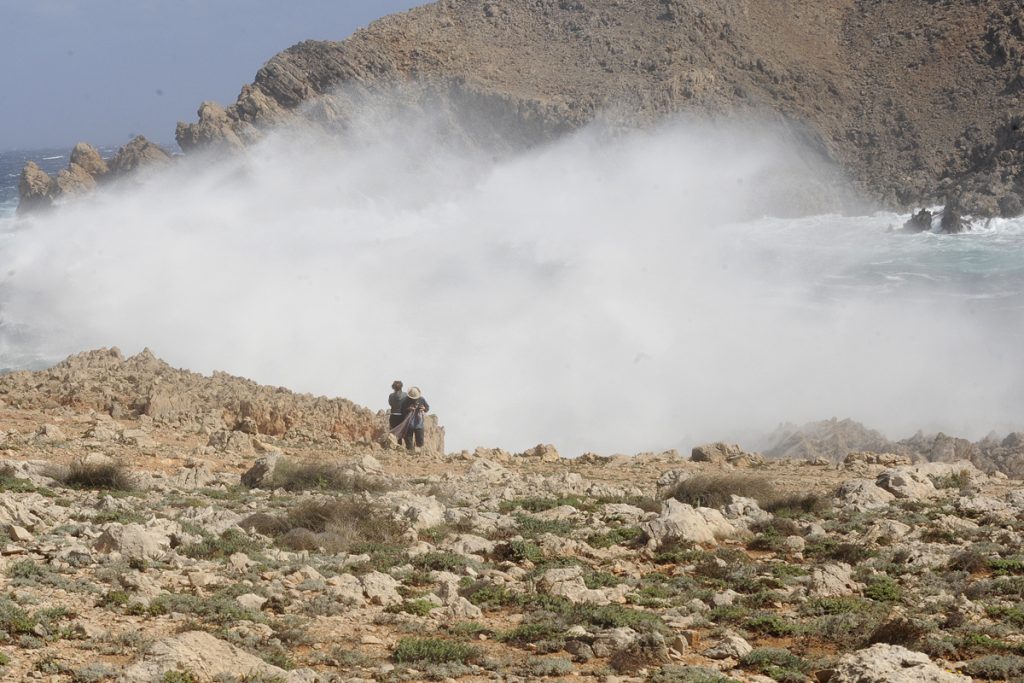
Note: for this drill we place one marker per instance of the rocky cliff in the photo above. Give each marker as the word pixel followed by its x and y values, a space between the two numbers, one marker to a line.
pixel 916 102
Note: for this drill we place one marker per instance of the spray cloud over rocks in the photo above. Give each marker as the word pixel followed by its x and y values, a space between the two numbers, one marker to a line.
pixel 605 292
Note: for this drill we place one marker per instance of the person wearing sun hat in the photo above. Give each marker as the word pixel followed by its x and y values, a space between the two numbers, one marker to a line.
pixel 415 407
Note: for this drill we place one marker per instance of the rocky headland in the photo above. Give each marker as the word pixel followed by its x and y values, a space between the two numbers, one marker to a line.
pixel 167 526
pixel 915 103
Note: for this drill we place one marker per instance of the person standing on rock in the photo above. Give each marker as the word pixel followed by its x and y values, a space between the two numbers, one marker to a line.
pixel 395 400
pixel 415 408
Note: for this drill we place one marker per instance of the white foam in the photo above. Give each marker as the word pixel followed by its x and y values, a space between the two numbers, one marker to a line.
pixel 601 294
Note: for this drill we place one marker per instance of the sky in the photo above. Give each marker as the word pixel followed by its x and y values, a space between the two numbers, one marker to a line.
pixel 103 71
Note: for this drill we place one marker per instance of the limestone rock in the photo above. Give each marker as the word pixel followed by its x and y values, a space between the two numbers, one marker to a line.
pixel 864 494
pixel 74 180
pixel 906 483
pixel 883 663
pixel 721 453
pixel 213 131
pixel 833 580
pixel 203 655
pixel 261 471
pixel 682 522
pixel 36 188
pixel 139 153
pixel 134 541
pixel 88 158
pixel 731 646
pixel 381 589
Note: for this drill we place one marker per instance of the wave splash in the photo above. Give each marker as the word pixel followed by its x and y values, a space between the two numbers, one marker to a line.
pixel 604 293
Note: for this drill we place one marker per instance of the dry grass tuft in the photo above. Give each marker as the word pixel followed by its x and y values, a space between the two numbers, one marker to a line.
pixel 334 525
pixel 716 490
pixel 112 476
pixel 293 475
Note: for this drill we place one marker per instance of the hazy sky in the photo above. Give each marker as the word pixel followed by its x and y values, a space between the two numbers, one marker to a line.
pixel 104 70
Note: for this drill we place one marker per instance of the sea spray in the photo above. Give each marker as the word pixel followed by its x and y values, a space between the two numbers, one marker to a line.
pixel 605 292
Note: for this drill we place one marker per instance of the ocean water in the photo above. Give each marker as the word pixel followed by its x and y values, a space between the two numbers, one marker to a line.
pixel 602 295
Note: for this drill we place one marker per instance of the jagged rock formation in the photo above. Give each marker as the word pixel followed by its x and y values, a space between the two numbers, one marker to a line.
pixel 86 168
pixel 909 98
pixel 221 405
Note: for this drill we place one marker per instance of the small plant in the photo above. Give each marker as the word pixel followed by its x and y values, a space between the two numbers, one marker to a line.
pixel 178 677
pixel 716 490
pixel 883 589
pixel 292 475
pixel 105 476
pixel 626 535
pixel 772 625
pixel 440 561
pixel 541 667
pixel 777 663
pixel 434 650
pixel 995 668
pixel 688 674
pixel 419 607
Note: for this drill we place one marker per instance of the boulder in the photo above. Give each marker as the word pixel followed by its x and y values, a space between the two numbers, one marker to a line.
pixel 833 580
pixel 261 471
pixel 421 512
pixel 682 522
pixel 89 160
pixel 863 494
pixel 74 180
pixel 731 646
pixel 883 663
pixel 722 453
pixel 381 589
pixel 204 656
pixel 906 483
pixel 134 541
pixel 138 153
pixel 212 131
pixel 919 222
pixel 36 188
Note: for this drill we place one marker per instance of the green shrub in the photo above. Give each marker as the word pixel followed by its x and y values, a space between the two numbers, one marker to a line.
pixel 772 625
pixel 777 663
pixel 688 674
pixel 995 668
pixel 441 561
pixel 541 667
pixel 419 607
pixel 626 535
pixel 220 547
pixel 883 589
pixel 335 525
pixel 434 650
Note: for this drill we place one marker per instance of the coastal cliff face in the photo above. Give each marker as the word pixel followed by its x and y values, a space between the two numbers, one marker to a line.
pixel 914 101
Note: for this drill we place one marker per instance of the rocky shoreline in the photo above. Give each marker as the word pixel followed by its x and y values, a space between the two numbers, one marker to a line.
pixel 167 526
pixel 913 103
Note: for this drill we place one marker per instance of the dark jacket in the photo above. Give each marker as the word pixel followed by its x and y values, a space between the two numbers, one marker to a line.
pixel 415 404
pixel 395 400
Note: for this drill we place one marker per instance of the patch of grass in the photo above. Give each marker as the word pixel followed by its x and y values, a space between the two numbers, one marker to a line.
pixel 883 589
pixel 334 525
pixel 178 677
pixel 543 667
pixel 1004 566
pixel 220 547
pixel 842 604
pixel 772 625
pixel 219 609
pixel 441 561
pixel 518 550
pixel 688 674
pixel 995 668
pixel 898 631
pixel 716 490
pixel 831 549
pixel 294 475
pixel 532 632
pixel 626 535
pixel 112 476
pixel 467 630
pixel 434 650
pixel 418 607
pixel 542 504
pixel 9 481
pixel 777 663
pixel 798 505
pixel 531 527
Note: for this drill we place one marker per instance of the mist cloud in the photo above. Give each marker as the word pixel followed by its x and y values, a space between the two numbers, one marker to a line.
pixel 605 293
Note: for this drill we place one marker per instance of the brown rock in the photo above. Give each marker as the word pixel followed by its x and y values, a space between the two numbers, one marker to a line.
pixel 138 153
pixel 36 188
pixel 74 180
pixel 89 158
pixel 213 131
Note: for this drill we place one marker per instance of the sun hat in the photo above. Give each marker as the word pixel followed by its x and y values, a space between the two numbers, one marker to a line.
pixel 414 392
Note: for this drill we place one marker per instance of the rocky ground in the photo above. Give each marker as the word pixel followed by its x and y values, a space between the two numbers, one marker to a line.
pixel 182 543
pixel 915 102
